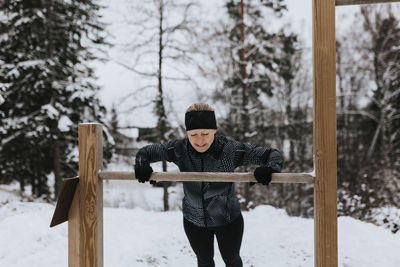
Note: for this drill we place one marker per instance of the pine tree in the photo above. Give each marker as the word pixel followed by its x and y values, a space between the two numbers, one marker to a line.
pixel 258 60
pixel 384 31
pixel 114 121
pixel 368 69
pixel 255 58
pixel 48 87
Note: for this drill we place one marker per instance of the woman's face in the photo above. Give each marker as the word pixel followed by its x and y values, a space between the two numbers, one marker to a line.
pixel 201 139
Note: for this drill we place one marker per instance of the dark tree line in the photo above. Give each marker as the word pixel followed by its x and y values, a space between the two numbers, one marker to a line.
pixel 369 133
pixel 47 88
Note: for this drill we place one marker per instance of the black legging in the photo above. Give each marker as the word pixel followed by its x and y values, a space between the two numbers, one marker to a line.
pixel 229 238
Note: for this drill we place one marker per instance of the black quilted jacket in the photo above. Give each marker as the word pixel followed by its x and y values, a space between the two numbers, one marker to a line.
pixel 210 204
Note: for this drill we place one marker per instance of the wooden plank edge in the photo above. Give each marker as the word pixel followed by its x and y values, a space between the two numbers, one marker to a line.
pixel 210 177
pixel 363 2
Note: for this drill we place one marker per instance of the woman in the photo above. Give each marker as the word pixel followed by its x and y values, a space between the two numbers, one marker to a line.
pixel 210 208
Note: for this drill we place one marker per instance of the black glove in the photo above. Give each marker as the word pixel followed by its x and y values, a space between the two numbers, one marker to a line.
pixel 143 173
pixel 263 175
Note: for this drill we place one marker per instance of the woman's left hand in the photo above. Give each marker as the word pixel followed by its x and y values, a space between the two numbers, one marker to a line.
pixel 263 174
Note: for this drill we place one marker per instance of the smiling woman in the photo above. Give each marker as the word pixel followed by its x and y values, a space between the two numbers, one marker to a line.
pixel 197 116
pixel 210 208
pixel 200 126
pixel 201 139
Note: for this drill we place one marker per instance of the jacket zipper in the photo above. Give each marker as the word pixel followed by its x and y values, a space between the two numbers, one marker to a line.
pixel 228 216
pixel 202 194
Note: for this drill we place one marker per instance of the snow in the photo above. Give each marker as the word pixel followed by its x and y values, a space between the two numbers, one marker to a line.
pixel 31 63
pixel 51 112
pixel 3 37
pixel 366 237
pixel 311 173
pixel 89 123
pixel 127 194
pixel 138 237
pixel 22 20
pixel 81 94
pixel 64 123
pixel 131 132
pixel 138 233
pixel 8 193
pixel 13 72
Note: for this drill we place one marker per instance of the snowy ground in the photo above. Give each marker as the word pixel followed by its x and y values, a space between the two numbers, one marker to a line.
pixel 138 237
pixel 138 233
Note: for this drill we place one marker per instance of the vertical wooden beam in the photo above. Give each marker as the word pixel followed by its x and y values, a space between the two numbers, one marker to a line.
pixel 325 188
pixel 85 221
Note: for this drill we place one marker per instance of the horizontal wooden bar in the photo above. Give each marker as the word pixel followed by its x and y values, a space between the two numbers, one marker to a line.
pixel 362 2
pixel 210 177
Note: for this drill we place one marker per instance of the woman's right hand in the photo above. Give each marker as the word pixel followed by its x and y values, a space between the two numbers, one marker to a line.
pixel 143 173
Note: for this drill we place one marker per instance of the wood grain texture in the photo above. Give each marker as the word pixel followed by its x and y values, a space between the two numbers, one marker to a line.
pixel 85 231
pixel 363 2
pixel 100 239
pixel 74 241
pixel 325 186
pixel 211 177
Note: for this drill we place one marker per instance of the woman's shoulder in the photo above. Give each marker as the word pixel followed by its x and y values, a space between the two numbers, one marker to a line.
pixel 221 139
pixel 179 144
pixel 225 141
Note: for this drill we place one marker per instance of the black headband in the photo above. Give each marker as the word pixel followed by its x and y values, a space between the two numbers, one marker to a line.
pixel 204 119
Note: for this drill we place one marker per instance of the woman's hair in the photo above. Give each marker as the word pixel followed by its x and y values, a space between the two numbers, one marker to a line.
pixel 199 107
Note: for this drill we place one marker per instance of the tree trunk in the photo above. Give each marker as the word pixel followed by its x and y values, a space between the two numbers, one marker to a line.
pixel 162 119
pixel 56 144
pixel 243 65
pixel 165 187
pixel 245 97
pixel 22 186
pixel 56 168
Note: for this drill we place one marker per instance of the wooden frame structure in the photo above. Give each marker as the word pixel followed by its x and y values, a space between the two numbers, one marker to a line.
pixel 85 217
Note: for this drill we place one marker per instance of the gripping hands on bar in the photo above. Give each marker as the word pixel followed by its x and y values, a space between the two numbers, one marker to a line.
pixel 143 173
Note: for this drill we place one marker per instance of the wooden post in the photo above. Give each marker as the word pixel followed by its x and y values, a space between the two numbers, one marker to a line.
pixel 325 186
pixel 85 222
